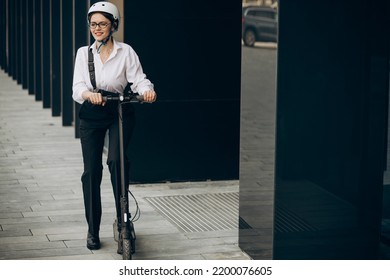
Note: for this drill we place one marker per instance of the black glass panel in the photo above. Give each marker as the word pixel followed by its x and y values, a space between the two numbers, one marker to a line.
pixel 192 55
pixel 331 127
pixel 321 198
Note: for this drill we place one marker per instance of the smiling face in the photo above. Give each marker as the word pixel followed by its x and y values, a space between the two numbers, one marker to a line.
pixel 99 32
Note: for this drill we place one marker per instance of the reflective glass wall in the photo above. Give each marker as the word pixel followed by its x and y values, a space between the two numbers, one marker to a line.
pixel 192 55
pixel 258 114
pixel 313 143
pixel 331 129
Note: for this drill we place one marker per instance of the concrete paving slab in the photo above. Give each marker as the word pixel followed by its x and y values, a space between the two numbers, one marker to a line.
pixel 22 239
pixel 22 232
pixel 22 220
pixel 31 246
pixel 26 254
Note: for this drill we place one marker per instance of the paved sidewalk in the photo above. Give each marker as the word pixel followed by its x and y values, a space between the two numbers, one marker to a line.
pixel 41 208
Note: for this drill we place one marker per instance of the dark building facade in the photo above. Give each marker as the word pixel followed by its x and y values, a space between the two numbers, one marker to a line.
pixel 192 132
pixel 304 131
pixel 314 190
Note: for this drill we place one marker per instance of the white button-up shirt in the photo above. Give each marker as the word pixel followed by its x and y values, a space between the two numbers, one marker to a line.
pixel 122 67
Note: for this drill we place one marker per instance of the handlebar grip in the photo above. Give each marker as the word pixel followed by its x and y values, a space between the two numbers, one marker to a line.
pixel 140 98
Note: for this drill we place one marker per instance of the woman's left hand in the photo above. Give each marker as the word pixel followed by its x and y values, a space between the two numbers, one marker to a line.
pixel 150 96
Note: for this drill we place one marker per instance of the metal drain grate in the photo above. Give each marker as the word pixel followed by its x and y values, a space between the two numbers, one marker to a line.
pixel 198 213
pixel 217 211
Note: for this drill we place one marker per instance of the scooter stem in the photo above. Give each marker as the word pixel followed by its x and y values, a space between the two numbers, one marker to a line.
pixel 125 215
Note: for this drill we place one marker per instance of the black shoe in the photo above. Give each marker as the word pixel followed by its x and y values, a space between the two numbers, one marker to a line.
pixel 93 242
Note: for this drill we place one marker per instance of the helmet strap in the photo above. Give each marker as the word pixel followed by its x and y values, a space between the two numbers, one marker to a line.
pixel 104 41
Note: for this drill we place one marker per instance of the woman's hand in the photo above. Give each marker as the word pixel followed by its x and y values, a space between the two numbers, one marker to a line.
pixel 149 96
pixel 94 97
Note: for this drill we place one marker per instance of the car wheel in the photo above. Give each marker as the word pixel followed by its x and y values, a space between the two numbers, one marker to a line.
pixel 249 38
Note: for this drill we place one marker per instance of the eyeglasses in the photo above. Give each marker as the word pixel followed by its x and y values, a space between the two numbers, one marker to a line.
pixel 102 25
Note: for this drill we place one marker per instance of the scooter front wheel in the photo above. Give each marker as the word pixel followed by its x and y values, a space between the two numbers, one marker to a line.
pixel 126 247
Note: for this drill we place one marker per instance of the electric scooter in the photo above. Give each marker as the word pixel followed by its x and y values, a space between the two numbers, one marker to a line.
pixel 126 237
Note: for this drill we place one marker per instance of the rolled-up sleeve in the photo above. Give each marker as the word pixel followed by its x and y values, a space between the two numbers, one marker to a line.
pixel 79 84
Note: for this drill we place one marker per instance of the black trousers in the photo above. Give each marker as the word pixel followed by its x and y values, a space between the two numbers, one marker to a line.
pixel 92 136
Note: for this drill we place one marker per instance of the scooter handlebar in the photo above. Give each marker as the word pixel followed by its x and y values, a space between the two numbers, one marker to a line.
pixel 136 98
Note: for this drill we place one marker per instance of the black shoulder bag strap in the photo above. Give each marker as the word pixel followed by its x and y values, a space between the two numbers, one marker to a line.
pixel 91 68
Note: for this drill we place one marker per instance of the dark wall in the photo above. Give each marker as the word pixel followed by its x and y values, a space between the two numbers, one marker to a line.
pixel 38 48
pixel 191 52
pixel 331 127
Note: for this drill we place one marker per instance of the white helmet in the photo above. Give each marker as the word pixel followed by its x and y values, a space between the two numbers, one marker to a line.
pixel 106 7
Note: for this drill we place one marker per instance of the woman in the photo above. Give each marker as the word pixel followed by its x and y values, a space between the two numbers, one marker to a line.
pixel 116 65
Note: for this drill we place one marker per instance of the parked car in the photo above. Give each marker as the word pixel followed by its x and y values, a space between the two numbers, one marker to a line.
pixel 259 24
